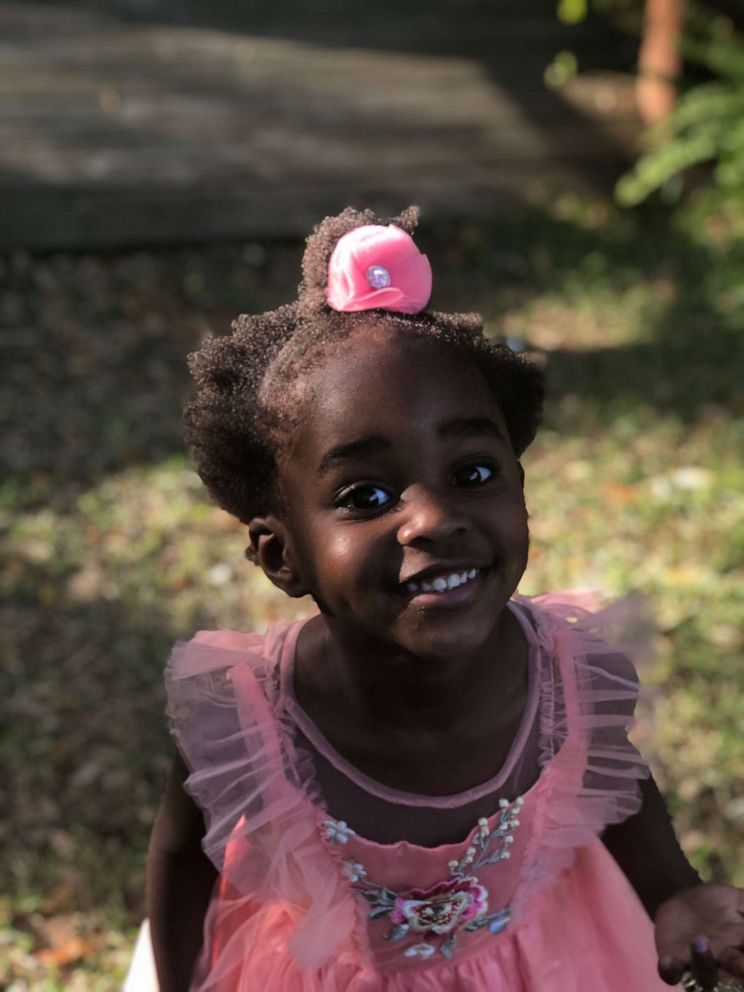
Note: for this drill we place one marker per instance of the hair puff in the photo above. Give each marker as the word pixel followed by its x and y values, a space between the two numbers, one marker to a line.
pixel 322 241
pixel 243 408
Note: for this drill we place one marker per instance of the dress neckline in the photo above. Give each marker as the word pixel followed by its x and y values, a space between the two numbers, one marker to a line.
pixel 319 741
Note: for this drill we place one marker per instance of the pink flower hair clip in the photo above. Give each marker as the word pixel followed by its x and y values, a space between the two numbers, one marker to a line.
pixel 378 267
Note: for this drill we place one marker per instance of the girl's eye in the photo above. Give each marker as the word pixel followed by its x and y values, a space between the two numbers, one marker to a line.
pixel 474 475
pixel 366 498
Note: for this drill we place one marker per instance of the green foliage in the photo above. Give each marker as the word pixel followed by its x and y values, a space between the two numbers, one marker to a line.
pixel 563 68
pixel 707 125
pixel 572 11
pixel 623 11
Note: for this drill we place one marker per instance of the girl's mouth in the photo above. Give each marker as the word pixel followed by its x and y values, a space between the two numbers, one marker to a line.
pixel 450 587
pixel 445 582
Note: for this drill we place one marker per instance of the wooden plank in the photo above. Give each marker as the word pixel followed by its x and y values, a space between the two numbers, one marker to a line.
pixel 114 134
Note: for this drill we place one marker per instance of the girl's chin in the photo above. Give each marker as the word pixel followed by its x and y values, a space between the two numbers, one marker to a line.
pixel 448 641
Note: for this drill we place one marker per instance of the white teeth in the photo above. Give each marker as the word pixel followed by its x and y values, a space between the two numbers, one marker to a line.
pixel 443 583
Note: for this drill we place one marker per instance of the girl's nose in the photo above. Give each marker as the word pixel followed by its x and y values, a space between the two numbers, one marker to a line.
pixel 430 515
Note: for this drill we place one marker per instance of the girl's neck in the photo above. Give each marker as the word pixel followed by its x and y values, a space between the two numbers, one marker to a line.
pixel 340 675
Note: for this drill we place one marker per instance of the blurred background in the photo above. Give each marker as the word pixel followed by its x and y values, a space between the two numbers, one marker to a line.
pixel 160 163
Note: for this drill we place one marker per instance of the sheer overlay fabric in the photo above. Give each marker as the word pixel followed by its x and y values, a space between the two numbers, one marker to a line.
pixel 523 896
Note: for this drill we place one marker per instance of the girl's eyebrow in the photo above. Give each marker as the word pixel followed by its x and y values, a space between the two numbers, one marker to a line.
pixel 362 447
pixel 372 444
pixel 471 426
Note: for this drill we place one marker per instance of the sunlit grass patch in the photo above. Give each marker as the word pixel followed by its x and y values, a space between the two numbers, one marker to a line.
pixel 662 514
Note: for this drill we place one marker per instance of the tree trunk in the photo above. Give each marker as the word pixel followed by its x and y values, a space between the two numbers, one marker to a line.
pixel 659 59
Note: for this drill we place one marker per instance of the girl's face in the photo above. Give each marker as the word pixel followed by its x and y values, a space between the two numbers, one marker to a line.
pixel 406 516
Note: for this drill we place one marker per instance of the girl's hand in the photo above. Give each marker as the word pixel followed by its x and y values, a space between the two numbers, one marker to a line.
pixel 701 931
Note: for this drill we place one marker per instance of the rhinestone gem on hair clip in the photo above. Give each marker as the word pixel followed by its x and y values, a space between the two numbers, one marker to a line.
pixel 378 277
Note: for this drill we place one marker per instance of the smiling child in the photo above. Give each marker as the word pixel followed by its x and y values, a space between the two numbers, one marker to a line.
pixel 427 784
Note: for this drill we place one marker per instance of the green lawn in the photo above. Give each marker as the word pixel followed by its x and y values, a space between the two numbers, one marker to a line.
pixel 111 551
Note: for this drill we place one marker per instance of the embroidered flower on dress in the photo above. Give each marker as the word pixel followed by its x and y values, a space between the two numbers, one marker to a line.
pixel 498 921
pixel 353 871
pixel 419 951
pixel 337 831
pixel 443 910
pixel 441 907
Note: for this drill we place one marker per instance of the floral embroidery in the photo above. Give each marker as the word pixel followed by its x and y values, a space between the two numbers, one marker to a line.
pixel 353 871
pixel 442 907
pixel 446 908
pixel 337 831
pixel 420 951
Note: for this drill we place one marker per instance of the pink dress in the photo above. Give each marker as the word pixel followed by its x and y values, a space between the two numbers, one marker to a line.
pixel 528 901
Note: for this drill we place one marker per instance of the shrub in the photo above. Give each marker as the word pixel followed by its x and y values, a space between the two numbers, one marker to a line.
pixel 707 124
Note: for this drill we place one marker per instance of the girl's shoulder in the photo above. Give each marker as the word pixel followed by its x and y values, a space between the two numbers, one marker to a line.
pixel 223 684
pixel 232 640
pixel 586 657
pixel 215 650
pixel 579 626
pixel 585 660
pixel 223 692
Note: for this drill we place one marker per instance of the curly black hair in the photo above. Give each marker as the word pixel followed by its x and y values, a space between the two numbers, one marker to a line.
pixel 243 411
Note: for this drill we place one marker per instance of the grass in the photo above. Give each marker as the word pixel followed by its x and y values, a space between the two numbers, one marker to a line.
pixel 111 551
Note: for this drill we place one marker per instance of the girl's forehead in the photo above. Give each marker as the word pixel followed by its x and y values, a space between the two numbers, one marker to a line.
pixel 393 382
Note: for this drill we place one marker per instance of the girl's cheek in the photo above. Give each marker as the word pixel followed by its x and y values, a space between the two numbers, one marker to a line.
pixel 345 556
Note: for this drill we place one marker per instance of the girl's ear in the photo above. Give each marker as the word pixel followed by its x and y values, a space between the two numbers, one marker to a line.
pixel 271 548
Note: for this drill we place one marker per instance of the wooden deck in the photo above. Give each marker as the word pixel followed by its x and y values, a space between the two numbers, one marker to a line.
pixel 116 130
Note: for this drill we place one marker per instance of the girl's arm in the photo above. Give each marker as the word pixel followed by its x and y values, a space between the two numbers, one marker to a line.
pixel 180 879
pixel 697 928
pixel 648 852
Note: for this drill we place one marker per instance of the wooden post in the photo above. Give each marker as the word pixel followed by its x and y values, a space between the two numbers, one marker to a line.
pixel 659 60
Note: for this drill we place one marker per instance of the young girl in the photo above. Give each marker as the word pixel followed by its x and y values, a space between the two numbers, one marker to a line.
pixel 426 785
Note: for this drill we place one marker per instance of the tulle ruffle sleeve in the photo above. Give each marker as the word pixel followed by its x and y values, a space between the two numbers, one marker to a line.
pixel 286 915
pixel 222 689
pixel 589 689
